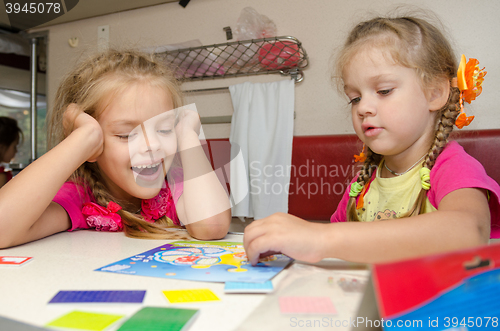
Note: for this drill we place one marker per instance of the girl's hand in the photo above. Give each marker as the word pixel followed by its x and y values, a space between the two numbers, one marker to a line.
pixel 284 233
pixel 75 119
pixel 188 123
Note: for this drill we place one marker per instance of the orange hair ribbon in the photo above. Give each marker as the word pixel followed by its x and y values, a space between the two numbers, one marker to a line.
pixel 361 157
pixel 469 81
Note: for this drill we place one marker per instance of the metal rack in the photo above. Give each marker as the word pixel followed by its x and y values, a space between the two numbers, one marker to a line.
pixel 284 55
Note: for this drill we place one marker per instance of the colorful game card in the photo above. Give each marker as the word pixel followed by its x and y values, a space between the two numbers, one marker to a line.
pixel 306 305
pixel 98 297
pixel 14 260
pixel 158 318
pixel 194 295
pixel 243 287
pixel 207 261
pixel 85 321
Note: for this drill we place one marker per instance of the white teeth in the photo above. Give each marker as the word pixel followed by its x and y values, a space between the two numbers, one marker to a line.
pixel 147 166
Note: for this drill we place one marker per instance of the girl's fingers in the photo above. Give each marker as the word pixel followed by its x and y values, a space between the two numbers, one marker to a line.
pixel 74 118
pixel 69 117
pixel 188 120
pixel 251 232
pixel 253 248
pixel 261 247
pixel 258 241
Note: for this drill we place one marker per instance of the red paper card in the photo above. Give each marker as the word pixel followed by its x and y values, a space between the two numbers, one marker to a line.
pixel 14 260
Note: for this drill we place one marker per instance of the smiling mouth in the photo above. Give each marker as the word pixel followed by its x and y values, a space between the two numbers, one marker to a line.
pixel 147 169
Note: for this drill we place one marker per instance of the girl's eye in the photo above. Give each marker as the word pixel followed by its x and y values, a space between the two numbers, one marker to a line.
pixel 165 132
pixel 354 101
pixel 127 137
pixel 385 92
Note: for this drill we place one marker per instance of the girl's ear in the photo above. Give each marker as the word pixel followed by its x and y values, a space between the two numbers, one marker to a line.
pixel 438 95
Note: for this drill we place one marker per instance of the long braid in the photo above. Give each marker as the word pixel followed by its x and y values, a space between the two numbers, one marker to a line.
pixel 445 125
pixel 364 176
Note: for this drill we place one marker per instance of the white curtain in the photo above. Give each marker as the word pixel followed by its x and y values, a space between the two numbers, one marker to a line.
pixel 262 131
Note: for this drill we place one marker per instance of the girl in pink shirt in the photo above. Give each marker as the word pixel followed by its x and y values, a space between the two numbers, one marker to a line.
pixel 406 93
pixel 126 157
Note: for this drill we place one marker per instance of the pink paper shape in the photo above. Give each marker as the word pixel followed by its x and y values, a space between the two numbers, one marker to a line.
pixel 306 305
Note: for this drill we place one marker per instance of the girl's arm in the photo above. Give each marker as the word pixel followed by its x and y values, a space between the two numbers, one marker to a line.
pixel 27 212
pixel 204 205
pixel 462 220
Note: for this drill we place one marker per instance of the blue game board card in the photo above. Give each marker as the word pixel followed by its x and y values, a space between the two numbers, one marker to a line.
pixel 206 261
pixel 98 297
pixel 243 287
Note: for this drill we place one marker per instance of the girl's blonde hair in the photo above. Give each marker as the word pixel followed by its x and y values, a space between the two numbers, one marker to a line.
pixel 92 85
pixel 413 43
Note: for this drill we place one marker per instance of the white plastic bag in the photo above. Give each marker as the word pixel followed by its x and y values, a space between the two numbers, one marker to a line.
pixel 252 25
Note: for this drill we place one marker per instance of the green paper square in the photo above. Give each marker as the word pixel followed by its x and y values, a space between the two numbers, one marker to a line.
pixel 158 319
pixel 85 321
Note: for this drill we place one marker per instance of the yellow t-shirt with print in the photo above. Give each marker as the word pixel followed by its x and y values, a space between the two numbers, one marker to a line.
pixel 388 198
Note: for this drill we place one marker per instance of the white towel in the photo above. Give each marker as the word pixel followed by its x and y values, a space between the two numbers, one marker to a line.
pixel 262 131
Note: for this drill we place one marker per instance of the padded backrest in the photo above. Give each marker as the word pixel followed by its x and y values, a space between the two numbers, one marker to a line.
pixel 323 166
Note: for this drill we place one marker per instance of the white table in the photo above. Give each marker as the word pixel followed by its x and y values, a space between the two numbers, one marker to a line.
pixel 66 261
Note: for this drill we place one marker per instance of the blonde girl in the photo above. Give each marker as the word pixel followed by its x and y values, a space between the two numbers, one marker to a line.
pixel 416 193
pixel 118 134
